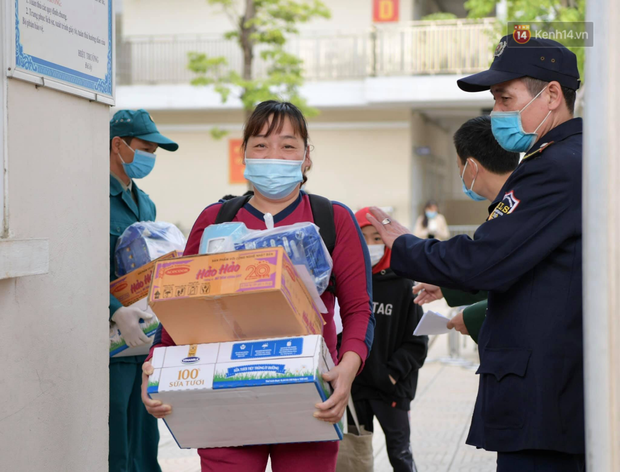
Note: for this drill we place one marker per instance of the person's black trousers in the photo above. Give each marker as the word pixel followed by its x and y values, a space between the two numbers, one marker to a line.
pixel 540 461
pixel 395 425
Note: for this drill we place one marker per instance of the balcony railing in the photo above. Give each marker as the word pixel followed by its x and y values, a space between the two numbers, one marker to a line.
pixel 415 48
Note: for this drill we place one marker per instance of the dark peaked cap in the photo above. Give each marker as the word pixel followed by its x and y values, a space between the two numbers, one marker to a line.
pixel 541 59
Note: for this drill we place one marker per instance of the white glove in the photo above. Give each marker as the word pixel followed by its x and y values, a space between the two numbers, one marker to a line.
pixel 127 320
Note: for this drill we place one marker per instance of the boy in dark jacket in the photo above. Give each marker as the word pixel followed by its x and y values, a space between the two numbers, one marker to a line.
pixel 387 385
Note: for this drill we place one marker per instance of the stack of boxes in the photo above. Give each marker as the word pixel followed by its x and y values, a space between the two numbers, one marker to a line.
pixel 250 354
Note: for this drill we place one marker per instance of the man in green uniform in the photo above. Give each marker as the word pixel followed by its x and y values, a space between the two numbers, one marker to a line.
pixel 484 166
pixel 134 436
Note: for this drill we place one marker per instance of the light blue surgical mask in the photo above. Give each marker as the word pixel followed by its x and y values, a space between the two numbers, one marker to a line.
pixel 142 164
pixel 469 191
pixel 430 214
pixel 508 129
pixel 274 178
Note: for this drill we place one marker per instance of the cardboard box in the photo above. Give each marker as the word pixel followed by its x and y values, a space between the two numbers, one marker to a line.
pixel 133 290
pixel 244 393
pixel 232 296
pixel 135 286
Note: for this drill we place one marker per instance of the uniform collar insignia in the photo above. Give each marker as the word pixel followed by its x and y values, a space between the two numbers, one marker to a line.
pixel 539 150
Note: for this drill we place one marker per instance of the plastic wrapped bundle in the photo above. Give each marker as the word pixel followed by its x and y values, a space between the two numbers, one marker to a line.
pixel 222 237
pixel 144 242
pixel 303 245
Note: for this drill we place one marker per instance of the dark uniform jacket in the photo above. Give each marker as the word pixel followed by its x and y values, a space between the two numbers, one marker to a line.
pixel 528 256
pixel 395 350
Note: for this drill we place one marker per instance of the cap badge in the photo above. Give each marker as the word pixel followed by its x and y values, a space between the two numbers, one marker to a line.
pixel 500 48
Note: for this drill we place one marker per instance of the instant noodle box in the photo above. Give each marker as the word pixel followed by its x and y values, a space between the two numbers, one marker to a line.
pixel 244 393
pixel 232 296
pixel 133 290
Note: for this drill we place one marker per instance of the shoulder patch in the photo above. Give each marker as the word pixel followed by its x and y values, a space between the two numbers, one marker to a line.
pixel 508 204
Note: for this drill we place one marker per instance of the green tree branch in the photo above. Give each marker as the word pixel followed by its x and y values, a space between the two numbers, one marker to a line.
pixel 265 24
pixel 545 11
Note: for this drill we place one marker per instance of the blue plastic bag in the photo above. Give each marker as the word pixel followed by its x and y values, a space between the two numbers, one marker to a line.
pixel 303 245
pixel 144 242
pixel 222 237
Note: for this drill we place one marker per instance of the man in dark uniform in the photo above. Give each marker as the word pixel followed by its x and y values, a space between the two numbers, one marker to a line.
pixel 487 166
pixel 530 405
pixel 134 436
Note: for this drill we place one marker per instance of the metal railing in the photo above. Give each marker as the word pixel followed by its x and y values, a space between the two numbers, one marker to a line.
pixel 414 48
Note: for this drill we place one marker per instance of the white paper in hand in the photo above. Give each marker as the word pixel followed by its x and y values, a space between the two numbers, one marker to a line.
pixel 432 323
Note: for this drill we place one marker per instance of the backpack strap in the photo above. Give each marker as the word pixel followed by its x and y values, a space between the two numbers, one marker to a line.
pixel 323 214
pixel 229 209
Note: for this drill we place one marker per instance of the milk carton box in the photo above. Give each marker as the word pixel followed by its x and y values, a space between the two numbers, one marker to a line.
pixel 244 393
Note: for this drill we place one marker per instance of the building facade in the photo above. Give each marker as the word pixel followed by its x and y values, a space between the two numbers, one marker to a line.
pixel 386 91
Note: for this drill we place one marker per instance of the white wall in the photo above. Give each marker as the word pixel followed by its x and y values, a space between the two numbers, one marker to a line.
pixel 601 227
pixel 350 170
pixel 163 17
pixel 54 349
pixel 183 183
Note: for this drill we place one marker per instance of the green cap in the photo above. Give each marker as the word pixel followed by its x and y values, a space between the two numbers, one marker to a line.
pixel 139 124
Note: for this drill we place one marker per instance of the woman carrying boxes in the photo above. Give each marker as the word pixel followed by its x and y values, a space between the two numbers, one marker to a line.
pixel 277 158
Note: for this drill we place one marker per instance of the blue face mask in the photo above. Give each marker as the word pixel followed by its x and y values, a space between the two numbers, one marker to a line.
pixel 431 214
pixel 469 191
pixel 508 129
pixel 142 164
pixel 274 178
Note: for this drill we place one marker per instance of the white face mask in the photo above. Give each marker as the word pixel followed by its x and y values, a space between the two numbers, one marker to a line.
pixel 376 253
